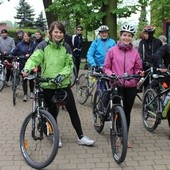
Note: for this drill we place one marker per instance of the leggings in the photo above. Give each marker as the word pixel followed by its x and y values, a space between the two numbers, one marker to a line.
pixel 70 106
pixel 25 86
pixel 128 95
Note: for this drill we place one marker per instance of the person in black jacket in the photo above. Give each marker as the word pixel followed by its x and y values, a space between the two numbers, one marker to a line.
pixel 148 47
pixel 77 40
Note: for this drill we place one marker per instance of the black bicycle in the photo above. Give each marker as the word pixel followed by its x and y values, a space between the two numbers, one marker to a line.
pixel 15 77
pixel 153 108
pixel 107 106
pixel 39 135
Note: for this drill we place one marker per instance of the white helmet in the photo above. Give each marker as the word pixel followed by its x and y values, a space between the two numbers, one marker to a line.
pixel 103 28
pixel 128 28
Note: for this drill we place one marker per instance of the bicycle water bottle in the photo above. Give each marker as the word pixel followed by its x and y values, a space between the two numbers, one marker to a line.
pixel 140 82
pixel 167 105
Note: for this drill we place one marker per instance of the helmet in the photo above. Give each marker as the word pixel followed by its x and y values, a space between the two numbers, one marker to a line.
pixel 60 97
pixel 149 29
pixel 103 28
pixel 128 28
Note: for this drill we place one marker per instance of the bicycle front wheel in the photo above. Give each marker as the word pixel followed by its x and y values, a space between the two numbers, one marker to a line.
pixel 118 134
pixel 82 89
pixel 2 78
pixel 39 139
pixel 98 111
pixel 149 109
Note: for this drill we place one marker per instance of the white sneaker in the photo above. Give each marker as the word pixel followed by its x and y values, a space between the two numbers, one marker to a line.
pixel 32 96
pixel 85 141
pixel 25 98
pixel 60 143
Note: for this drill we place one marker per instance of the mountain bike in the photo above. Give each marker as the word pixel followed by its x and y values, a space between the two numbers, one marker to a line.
pixel 15 77
pixel 86 84
pixel 107 106
pixel 2 73
pixel 153 109
pixel 39 134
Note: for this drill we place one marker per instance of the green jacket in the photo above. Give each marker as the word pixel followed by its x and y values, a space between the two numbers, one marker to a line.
pixel 54 59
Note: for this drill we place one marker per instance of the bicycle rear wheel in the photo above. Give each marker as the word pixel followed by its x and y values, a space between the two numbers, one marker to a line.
pixel 118 134
pixel 2 78
pixel 98 112
pixel 149 109
pixel 39 139
pixel 82 89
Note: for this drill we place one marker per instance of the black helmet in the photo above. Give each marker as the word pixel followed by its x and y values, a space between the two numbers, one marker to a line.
pixel 149 29
pixel 60 97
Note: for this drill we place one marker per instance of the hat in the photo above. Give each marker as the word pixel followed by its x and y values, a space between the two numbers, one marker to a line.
pixel 4 31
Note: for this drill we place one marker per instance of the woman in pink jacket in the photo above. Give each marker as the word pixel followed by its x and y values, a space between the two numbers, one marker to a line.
pixel 124 58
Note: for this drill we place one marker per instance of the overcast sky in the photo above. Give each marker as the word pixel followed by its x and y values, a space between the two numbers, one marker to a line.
pixel 8 11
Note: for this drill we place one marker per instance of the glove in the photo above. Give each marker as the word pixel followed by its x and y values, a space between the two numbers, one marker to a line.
pixel 59 78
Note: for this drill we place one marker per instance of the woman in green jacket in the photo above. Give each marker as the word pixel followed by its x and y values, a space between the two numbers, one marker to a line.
pixel 55 58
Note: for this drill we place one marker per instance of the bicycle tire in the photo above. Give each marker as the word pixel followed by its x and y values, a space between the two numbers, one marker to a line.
pixel 82 89
pixel 118 133
pixel 2 78
pixel 34 126
pixel 149 119
pixel 73 76
pixel 14 87
pixel 98 113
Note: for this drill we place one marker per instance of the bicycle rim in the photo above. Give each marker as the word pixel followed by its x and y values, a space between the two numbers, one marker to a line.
pixel 39 144
pixel 82 89
pixel 2 79
pixel 150 121
pixel 118 134
pixel 98 114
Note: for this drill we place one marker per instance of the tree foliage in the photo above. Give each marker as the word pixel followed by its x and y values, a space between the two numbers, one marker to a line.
pixel 25 15
pixel 40 22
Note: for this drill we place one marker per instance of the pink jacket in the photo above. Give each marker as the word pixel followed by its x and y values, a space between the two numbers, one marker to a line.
pixel 120 61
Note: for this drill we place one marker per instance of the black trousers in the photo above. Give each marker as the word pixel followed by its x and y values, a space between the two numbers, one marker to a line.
pixel 70 106
pixel 128 95
pixel 77 61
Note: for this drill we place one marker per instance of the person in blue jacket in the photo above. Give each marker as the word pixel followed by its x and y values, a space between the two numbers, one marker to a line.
pixel 99 47
pixel 24 49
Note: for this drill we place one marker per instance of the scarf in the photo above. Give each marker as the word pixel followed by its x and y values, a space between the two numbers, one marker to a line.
pixel 124 47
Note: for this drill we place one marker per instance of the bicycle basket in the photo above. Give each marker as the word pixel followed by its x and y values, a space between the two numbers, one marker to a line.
pixel 60 97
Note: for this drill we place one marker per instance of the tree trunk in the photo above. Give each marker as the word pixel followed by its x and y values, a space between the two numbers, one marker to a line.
pixel 49 15
pixel 111 19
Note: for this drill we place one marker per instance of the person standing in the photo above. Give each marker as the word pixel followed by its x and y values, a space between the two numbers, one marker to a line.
pixel 55 58
pixel 99 47
pixel 24 50
pixel 7 44
pixel 77 41
pixel 125 59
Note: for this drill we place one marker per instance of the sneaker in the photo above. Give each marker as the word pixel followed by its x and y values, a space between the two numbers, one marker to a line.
pixel 60 143
pixel 32 96
pixel 8 84
pixel 85 141
pixel 25 98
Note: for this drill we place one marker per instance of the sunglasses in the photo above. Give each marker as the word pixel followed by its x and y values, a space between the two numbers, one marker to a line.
pixel 79 29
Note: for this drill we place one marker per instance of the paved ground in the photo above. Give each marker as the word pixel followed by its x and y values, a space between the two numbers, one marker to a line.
pixel 151 151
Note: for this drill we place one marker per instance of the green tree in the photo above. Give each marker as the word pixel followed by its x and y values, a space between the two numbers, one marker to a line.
pixel 159 12
pixel 40 22
pixel 25 15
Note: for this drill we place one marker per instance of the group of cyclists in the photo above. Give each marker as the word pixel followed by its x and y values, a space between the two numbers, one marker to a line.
pixel 54 55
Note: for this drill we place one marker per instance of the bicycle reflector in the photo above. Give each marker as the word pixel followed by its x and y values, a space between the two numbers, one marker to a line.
pixel 60 97
pixel 165 85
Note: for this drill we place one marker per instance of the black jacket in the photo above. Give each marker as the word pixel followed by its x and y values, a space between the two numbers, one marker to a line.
pixel 147 49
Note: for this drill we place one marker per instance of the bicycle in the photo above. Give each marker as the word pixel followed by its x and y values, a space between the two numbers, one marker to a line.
pixel 39 134
pixel 2 73
pixel 15 77
pixel 86 84
pixel 153 109
pixel 73 76
pixel 107 106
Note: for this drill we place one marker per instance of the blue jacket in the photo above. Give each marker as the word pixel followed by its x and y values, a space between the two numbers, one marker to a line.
pixel 98 50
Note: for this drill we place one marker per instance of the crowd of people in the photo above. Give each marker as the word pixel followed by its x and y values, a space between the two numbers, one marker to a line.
pixel 57 53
